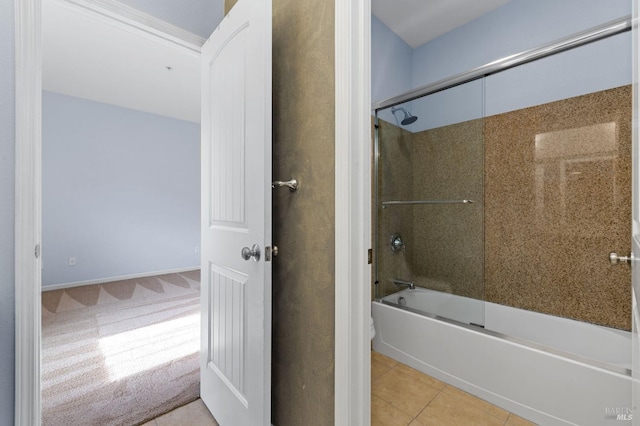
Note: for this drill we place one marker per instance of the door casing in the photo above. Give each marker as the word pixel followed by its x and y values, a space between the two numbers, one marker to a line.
pixel 352 139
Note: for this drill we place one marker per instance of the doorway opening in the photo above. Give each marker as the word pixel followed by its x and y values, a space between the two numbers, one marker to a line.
pixel 120 215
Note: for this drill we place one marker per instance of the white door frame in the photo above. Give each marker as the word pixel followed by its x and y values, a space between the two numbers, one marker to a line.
pixel 352 212
pixel 28 185
pixel 28 189
pixel 352 202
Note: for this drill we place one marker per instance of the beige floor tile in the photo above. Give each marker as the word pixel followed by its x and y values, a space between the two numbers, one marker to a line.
pixel 376 356
pixel 378 369
pixel 396 386
pixel 193 414
pixel 447 410
pixel 465 398
pixel 405 392
pixel 514 420
pixel 385 414
pixel 420 376
pixel 149 423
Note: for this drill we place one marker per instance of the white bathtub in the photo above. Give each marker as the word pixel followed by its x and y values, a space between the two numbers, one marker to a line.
pixel 550 370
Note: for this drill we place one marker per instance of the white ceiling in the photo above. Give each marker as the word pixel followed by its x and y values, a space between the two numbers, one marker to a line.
pixel 419 21
pixel 89 59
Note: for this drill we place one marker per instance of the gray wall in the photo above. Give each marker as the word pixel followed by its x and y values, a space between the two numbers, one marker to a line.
pixel 7 206
pixel 121 191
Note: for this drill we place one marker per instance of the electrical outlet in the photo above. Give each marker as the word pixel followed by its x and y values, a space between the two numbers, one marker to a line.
pixel 197 250
pixel 72 261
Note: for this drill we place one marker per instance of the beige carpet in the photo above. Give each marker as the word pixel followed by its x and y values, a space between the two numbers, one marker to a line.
pixel 120 353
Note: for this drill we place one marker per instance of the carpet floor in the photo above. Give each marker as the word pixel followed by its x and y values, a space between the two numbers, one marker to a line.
pixel 120 353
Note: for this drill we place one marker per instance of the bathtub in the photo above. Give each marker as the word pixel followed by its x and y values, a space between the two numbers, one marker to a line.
pixel 550 370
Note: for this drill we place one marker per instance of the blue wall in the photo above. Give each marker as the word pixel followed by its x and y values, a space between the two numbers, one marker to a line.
pixel 515 27
pixel 200 17
pixel 121 191
pixel 7 195
pixel 391 62
pixel 7 208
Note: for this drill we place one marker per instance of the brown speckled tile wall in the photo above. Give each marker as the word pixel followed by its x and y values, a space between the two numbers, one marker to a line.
pixel 448 249
pixel 395 183
pixel 443 243
pixel 557 201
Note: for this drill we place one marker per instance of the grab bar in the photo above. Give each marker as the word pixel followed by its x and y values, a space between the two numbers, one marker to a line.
pixel 400 203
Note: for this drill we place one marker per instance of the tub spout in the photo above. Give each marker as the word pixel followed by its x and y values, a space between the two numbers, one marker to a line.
pixel 403 283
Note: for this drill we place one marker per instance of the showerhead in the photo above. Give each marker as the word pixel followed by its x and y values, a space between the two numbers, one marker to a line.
pixel 408 118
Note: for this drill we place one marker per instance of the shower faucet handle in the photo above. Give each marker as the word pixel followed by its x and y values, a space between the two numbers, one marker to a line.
pixel 615 259
pixel 397 243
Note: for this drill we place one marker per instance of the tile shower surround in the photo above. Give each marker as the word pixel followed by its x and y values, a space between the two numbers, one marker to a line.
pixel 556 198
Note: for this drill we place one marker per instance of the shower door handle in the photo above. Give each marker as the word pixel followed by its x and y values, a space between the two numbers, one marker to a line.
pixel 616 259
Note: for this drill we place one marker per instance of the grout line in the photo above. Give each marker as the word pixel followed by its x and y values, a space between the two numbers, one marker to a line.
pixel 428 403
pixel 506 420
pixel 382 375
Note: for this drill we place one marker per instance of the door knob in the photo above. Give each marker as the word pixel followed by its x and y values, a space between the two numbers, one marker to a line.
pixel 253 252
pixel 616 259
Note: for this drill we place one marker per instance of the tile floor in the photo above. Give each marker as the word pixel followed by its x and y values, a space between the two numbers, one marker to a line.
pixel 400 396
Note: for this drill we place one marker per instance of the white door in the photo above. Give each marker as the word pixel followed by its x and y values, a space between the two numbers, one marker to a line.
pixel 235 357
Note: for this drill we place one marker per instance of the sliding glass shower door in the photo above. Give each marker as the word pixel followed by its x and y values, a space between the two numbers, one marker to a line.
pixel 429 206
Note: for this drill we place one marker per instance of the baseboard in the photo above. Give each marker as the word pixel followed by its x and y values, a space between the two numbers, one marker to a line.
pixel 118 278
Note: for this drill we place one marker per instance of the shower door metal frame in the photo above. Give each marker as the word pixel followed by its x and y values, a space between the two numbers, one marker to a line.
pixel 591 35
pixel 573 41
pixel 635 221
pixel 376 200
